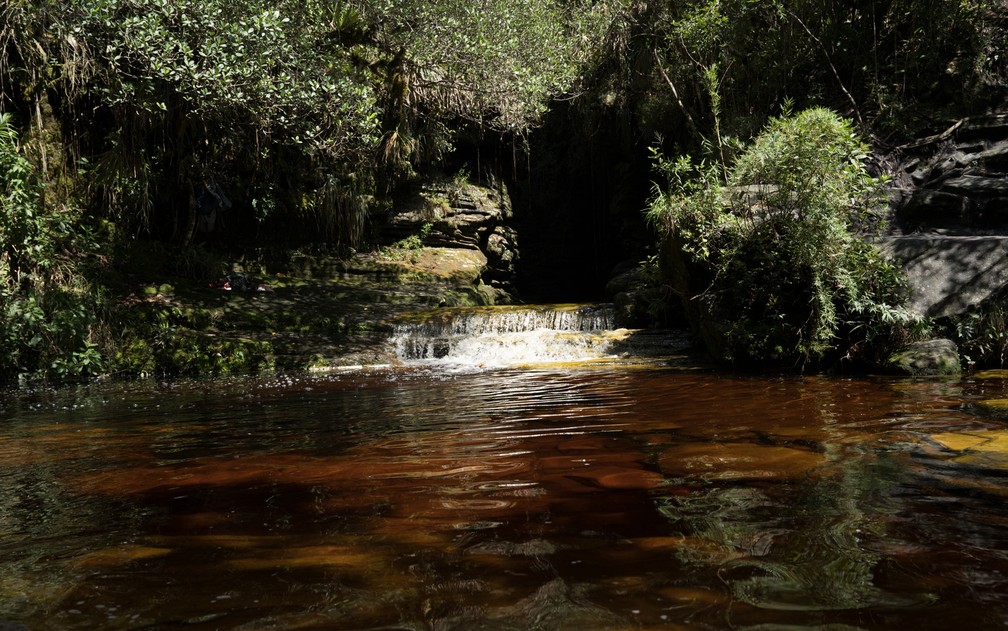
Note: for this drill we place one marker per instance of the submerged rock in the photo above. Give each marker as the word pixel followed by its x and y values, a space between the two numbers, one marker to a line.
pixel 738 461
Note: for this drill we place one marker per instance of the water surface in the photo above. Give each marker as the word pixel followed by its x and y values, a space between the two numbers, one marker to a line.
pixel 609 497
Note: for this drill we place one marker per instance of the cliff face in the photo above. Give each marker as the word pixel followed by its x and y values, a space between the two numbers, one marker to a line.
pixel 950 202
pixel 956 180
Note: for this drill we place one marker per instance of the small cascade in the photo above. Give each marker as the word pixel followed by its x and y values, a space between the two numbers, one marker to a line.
pixel 508 336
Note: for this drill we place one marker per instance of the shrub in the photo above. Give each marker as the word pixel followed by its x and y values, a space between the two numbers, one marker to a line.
pixel 982 334
pixel 47 308
pixel 776 267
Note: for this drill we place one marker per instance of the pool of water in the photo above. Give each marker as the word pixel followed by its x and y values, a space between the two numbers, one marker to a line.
pixel 553 498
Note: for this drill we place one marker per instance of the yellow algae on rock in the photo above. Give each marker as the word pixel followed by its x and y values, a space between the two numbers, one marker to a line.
pixel 988 441
pixel 983 448
pixel 1001 405
pixel 321 556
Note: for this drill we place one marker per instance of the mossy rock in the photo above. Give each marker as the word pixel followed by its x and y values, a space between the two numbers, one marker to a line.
pixel 991 374
pixel 931 357
pixel 990 408
pixel 318 310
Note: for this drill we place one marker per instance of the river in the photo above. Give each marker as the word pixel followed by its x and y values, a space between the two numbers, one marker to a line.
pixel 597 495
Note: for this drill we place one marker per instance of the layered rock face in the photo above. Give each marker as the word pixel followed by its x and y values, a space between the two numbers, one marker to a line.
pixel 458 214
pixel 957 180
pixel 950 199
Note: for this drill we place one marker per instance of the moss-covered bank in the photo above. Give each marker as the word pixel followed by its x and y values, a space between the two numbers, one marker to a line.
pixel 300 311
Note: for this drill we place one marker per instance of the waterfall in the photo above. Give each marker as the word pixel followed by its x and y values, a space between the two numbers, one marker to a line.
pixel 508 336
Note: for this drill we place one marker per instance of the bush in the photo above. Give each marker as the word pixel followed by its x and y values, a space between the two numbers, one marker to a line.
pixel 773 269
pixel 47 308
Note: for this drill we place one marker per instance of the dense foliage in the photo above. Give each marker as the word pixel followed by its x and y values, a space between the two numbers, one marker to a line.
pixel 308 113
pixel 311 113
pixel 301 105
pixel 47 307
pixel 893 66
pixel 771 240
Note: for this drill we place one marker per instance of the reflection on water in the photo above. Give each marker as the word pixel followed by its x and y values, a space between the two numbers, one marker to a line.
pixel 610 498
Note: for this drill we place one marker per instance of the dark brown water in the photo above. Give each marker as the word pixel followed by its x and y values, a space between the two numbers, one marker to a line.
pixel 605 498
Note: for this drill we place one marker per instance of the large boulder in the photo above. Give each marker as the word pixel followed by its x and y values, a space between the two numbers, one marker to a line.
pixel 930 357
pixel 950 274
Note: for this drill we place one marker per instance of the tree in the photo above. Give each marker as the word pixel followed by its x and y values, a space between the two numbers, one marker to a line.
pixel 301 102
pixel 493 64
pixel 893 66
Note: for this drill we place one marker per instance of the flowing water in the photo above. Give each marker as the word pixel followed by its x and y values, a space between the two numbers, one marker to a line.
pixel 455 493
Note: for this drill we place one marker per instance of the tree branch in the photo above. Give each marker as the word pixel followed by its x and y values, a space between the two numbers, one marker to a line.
pixel 675 92
pixel 836 74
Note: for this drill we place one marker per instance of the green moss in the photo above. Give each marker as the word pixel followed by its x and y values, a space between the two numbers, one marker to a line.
pixel 931 357
pixel 321 310
pixel 199 355
pixel 134 357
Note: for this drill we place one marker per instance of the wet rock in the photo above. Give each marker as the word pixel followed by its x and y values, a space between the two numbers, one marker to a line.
pixel 620 478
pixel 555 605
pixel 628 288
pixel 983 448
pixel 931 357
pixel 533 548
pixel 116 556
pixel 641 300
pixel 994 373
pixel 558 605
pixel 501 249
pixel 979 440
pixel 626 278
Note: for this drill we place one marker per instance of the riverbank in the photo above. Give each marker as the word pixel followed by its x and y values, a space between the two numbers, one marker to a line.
pixel 215 310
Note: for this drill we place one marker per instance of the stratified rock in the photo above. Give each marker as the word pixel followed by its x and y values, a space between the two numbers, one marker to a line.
pixel 956 180
pixel 950 200
pixel 931 357
pixel 459 214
